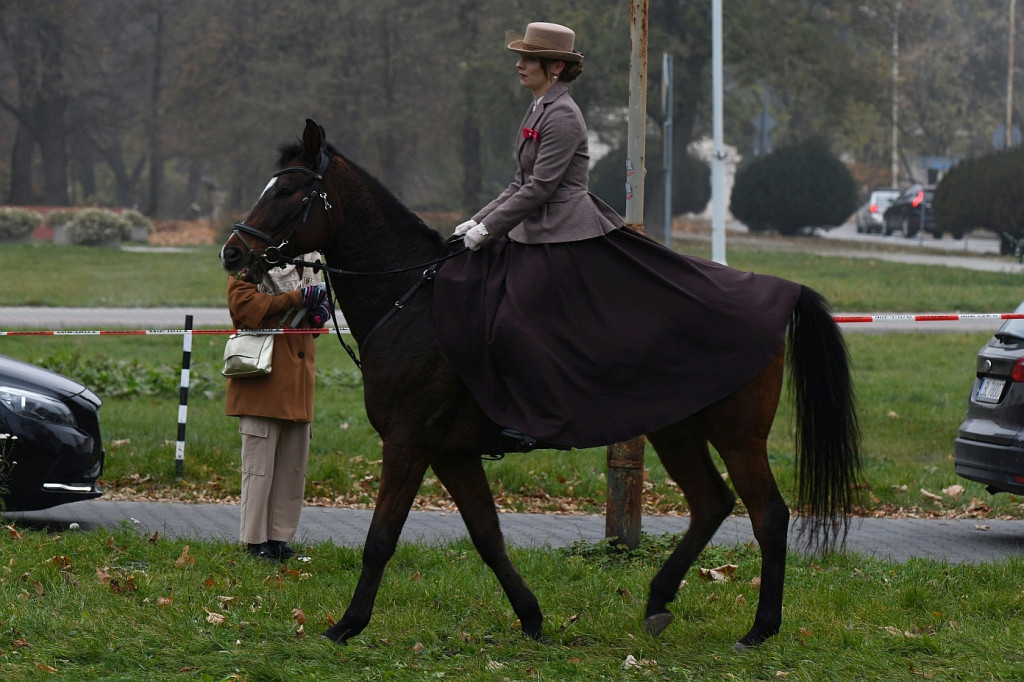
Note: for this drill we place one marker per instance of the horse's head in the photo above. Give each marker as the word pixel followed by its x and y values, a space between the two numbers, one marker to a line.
pixel 290 218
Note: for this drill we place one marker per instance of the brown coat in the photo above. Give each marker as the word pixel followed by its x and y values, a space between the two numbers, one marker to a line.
pixel 287 392
pixel 548 201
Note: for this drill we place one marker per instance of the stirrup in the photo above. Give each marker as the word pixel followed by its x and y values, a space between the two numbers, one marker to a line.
pixel 517 441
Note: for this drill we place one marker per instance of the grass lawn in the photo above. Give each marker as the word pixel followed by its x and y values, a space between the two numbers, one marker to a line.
pixel 115 605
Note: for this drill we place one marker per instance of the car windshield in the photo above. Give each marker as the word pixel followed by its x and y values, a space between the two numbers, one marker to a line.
pixel 1012 329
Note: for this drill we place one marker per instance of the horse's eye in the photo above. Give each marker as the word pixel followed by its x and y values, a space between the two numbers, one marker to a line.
pixel 282 192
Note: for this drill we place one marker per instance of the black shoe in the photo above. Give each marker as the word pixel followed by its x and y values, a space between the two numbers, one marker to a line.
pixel 261 551
pixel 280 550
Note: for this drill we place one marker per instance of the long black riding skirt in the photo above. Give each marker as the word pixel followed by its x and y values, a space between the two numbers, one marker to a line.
pixel 597 341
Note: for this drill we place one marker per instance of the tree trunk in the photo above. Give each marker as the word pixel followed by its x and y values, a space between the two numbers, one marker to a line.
pixel 21 168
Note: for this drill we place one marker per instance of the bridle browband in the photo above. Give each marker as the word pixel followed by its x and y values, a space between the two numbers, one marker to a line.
pixel 278 258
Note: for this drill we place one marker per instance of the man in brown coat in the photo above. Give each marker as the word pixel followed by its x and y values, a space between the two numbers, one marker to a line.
pixel 275 411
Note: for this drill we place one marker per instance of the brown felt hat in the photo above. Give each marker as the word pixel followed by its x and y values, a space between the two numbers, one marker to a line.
pixel 548 41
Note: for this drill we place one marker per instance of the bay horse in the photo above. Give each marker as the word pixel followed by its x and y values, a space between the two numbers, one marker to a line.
pixel 380 257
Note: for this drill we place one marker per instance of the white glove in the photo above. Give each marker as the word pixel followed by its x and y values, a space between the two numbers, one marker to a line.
pixel 464 228
pixel 475 236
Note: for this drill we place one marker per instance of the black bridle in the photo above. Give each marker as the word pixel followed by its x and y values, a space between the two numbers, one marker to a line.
pixel 277 258
pixel 272 255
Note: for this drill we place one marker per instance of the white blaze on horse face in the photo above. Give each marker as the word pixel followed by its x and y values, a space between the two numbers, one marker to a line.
pixel 269 185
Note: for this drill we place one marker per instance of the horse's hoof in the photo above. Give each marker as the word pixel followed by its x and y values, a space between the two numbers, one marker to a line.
pixel 741 647
pixel 658 622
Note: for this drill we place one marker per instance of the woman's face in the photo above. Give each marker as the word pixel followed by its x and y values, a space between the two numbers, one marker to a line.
pixel 532 76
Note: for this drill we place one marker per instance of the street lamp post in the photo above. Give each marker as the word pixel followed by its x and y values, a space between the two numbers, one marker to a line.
pixel 1009 77
pixel 895 84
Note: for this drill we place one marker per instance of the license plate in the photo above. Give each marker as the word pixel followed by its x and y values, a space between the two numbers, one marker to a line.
pixel 990 390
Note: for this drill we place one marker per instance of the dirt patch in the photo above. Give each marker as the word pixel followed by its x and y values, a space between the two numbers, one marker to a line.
pixel 182 233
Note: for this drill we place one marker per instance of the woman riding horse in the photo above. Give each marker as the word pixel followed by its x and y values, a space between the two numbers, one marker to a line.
pixel 577 341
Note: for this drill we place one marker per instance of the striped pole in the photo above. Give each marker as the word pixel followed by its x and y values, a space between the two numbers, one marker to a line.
pixel 186 365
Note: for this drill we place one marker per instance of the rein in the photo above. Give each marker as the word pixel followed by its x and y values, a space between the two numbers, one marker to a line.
pixel 272 255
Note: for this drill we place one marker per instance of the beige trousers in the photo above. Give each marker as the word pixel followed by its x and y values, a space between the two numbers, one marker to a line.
pixel 274 456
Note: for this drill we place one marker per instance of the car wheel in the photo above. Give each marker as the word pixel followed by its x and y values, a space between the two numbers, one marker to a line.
pixel 905 227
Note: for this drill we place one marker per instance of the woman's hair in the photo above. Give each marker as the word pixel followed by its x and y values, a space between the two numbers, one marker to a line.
pixel 570 73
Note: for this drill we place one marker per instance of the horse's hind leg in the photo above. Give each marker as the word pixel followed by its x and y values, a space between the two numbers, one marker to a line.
pixel 738 428
pixel 683 451
pixel 466 482
pixel 401 475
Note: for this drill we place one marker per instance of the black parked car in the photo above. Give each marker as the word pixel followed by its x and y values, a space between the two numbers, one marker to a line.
pixel 911 209
pixel 989 447
pixel 52 449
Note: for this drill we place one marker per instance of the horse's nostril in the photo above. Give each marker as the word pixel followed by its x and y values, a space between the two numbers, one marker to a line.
pixel 230 255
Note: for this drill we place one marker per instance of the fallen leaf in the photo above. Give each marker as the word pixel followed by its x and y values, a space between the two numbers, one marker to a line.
pixel 38 588
pixel 214 617
pixel 630 662
pixel 225 602
pixel 931 496
pixel 418 646
pixel 153 537
pixel 718 575
pixel 954 490
pixel 21 642
pixel 740 600
pixel 62 562
pixel 165 601
pixel 298 616
pixel 184 559
pixel 15 535
pixel 980 526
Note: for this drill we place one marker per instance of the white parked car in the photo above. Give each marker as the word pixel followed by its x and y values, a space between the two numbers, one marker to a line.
pixel 869 215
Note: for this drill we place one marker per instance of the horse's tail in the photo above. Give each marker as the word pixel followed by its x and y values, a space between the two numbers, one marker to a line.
pixel 827 429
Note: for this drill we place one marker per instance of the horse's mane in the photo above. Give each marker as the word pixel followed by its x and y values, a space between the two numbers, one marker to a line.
pixel 391 206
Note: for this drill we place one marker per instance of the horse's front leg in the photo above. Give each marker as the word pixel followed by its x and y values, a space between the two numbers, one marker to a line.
pixel 401 475
pixel 466 482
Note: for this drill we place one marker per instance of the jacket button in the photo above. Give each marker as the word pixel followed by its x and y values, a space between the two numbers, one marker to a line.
pixel 302 354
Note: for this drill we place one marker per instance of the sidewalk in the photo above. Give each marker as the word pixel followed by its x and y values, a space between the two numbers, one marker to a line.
pixel 955 540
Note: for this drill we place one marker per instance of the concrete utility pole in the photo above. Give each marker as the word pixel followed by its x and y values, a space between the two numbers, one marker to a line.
pixel 624 507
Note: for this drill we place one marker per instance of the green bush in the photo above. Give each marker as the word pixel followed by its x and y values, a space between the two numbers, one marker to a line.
pixel 137 220
pixel 803 185
pixel 60 216
pixel 983 192
pixel 18 222
pixel 91 225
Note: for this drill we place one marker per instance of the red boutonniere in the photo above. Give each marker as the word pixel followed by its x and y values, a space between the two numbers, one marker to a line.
pixel 531 134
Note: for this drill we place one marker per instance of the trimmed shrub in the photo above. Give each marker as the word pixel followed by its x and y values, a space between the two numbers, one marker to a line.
pixel 140 225
pixel 92 225
pixel 16 223
pixel 60 216
pixel 803 185
pixel 983 192
pixel 691 184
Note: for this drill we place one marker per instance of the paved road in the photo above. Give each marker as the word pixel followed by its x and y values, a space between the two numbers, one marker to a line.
pixel 954 541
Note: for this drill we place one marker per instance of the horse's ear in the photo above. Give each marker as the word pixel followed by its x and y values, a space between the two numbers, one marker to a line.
pixel 312 139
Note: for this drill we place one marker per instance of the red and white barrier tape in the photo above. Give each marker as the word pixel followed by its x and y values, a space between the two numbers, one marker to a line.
pixel 162 332
pixel 931 317
pixel 840 319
